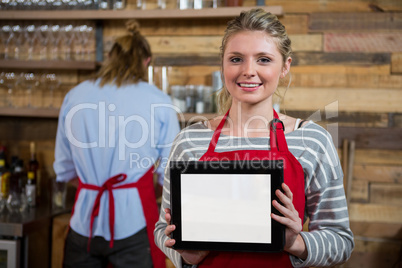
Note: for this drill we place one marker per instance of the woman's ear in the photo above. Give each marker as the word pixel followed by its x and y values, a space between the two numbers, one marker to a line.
pixel 147 61
pixel 286 67
pixel 284 73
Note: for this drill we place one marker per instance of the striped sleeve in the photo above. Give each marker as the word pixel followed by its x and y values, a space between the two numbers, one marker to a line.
pixel 329 240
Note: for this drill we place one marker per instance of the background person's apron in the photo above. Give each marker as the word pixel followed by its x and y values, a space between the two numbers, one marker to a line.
pixel 293 177
pixel 145 186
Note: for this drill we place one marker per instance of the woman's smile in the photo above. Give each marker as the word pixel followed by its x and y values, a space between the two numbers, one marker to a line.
pixel 249 86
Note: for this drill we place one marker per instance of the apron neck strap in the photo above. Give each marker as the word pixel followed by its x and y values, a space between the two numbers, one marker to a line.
pixel 277 136
pixel 217 133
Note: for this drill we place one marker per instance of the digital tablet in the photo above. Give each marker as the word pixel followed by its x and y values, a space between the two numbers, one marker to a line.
pixel 226 205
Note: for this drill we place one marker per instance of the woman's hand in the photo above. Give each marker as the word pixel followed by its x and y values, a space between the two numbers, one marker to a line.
pixel 188 256
pixel 294 242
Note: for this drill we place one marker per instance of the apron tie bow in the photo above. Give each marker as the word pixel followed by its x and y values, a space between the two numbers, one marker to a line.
pixel 107 186
pixel 145 187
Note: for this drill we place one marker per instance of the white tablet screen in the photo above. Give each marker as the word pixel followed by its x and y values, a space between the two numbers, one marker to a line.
pixel 226 207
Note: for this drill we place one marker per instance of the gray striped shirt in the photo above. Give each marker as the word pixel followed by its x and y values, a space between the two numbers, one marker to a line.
pixel 329 240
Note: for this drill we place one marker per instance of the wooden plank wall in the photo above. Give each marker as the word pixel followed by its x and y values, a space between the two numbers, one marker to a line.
pixel 346 75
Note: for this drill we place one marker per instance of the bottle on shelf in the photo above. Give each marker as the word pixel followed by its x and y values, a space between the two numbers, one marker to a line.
pixel 179 97
pixel 199 99
pixel 217 85
pixel 190 98
pixel 16 201
pixel 4 179
pixel 31 189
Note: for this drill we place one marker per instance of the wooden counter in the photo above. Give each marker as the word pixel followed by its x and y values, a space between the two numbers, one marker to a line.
pixel 33 229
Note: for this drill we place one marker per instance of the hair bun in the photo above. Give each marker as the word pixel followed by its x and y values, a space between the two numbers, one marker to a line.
pixel 133 26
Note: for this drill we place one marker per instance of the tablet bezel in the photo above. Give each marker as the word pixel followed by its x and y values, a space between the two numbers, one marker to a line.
pixel 272 167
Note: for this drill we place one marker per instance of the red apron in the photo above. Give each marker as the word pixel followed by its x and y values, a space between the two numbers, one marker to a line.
pixel 293 177
pixel 146 191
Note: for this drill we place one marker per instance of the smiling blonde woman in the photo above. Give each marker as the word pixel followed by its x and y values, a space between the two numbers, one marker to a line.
pixel 256 55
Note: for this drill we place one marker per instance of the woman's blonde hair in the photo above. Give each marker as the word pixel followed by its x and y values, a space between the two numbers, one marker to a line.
pixel 253 20
pixel 125 64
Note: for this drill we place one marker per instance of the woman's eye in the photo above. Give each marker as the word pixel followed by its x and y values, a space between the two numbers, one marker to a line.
pixel 264 60
pixel 235 60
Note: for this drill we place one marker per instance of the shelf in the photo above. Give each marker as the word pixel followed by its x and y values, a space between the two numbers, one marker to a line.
pixel 29 112
pixel 54 113
pixel 222 12
pixel 193 117
pixel 54 65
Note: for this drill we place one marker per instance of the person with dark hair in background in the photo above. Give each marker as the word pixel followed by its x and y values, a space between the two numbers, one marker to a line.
pixel 112 132
pixel 256 55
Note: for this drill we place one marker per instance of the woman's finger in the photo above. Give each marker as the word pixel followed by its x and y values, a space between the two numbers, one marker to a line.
pixel 169 229
pixel 286 201
pixel 287 191
pixel 168 217
pixel 169 243
pixel 283 220
pixel 293 225
pixel 286 212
